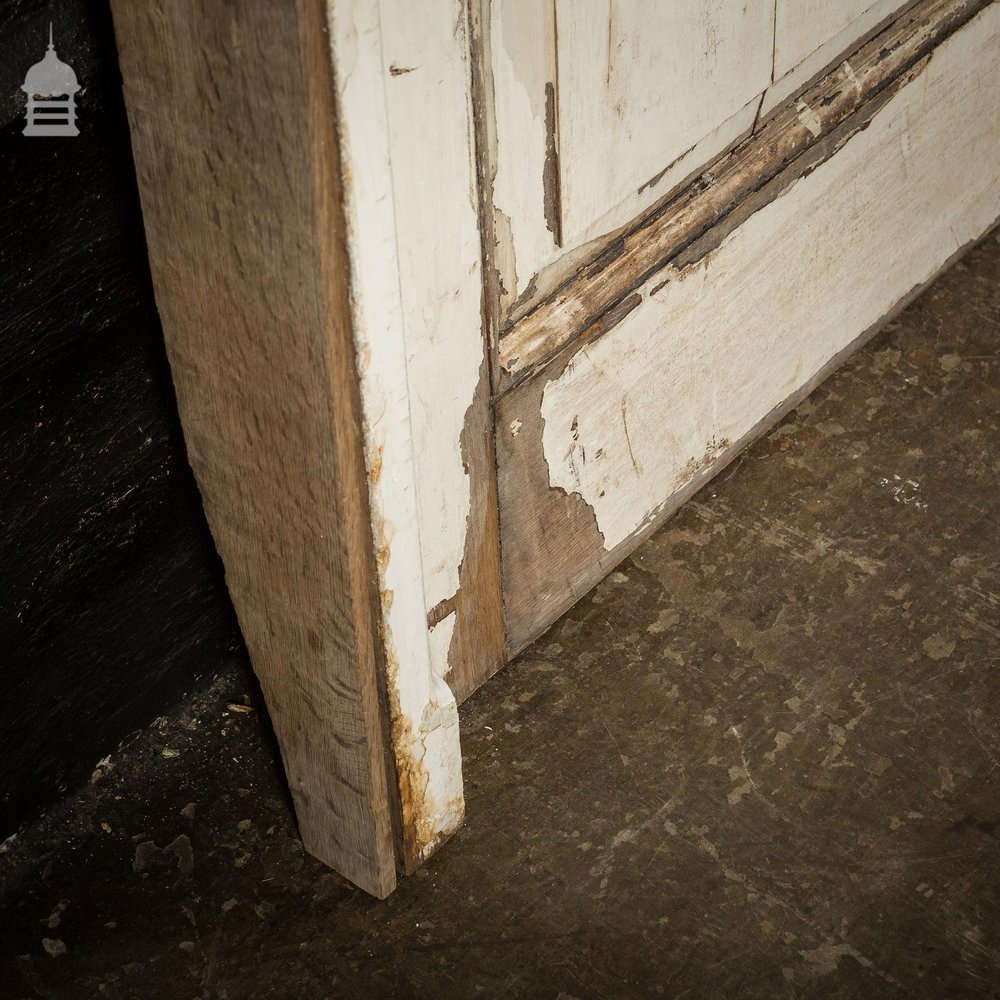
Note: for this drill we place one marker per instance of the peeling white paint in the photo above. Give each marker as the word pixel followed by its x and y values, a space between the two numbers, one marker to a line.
pixel 521 39
pixel 647 81
pixel 440 643
pixel 726 341
pixel 439 265
pixel 809 118
pixel 424 713
pixel 667 101
pixel 666 116
pixel 810 34
pixel 851 75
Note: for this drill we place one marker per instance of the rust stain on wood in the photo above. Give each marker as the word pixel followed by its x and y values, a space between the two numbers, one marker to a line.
pixel 419 812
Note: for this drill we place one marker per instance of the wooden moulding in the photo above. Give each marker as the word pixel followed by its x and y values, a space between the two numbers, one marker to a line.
pixel 627 262
pixel 304 338
pixel 637 411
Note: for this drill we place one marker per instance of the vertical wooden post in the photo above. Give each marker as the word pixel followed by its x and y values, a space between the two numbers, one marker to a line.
pixel 234 125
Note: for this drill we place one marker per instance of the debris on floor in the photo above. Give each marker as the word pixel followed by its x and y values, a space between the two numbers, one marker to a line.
pixel 761 759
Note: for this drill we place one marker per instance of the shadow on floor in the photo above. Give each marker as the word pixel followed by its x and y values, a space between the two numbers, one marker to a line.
pixel 761 759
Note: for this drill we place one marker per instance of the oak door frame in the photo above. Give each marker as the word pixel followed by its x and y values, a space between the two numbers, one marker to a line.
pixel 296 316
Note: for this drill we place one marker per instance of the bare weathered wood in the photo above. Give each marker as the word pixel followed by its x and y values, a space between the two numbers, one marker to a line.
pixel 626 263
pixel 625 422
pixel 392 225
pixel 233 127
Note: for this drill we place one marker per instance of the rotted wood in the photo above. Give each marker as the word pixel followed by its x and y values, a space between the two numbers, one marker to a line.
pixel 623 265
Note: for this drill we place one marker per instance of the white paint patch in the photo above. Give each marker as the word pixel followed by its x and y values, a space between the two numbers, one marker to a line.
pixel 809 118
pixel 425 715
pixel 849 71
pixel 729 339
pixel 691 108
pixel 521 43
pixel 439 267
pixel 648 95
pixel 515 427
pixel 440 643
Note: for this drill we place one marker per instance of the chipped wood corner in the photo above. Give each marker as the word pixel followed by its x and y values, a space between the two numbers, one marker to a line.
pixel 430 810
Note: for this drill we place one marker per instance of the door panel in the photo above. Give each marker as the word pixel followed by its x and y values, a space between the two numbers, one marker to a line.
pixel 640 82
pixel 639 410
pixel 600 110
pixel 801 26
pixel 811 34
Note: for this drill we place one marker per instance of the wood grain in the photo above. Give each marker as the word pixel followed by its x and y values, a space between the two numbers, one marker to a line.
pixel 625 264
pixel 596 449
pixel 233 130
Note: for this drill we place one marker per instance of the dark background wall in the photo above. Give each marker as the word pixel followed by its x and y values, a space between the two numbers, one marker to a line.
pixel 112 600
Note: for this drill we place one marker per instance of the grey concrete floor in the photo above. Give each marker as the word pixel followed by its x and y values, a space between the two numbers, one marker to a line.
pixel 761 759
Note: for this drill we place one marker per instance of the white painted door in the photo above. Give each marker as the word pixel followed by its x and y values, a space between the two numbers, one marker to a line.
pixel 640 82
pixel 602 108
pixel 651 328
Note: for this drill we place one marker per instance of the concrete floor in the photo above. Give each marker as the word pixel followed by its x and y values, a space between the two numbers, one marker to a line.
pixel 762 759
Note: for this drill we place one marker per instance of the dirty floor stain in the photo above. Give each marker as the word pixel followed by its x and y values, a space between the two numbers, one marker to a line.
pixel 762 759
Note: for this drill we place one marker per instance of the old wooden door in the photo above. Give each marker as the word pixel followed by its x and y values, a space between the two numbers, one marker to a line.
pixel 696 208
pixel 463 298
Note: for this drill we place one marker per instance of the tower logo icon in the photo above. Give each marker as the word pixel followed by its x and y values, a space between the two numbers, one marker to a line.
pixel 51 87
